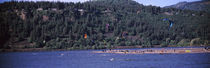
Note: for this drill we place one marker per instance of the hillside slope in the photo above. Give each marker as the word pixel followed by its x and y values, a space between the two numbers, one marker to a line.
pixel 99 24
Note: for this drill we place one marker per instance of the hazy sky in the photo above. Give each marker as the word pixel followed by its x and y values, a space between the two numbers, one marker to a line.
pixel 160 3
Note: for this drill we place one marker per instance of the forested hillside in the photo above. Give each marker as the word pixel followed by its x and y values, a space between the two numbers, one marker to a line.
pixel 99 24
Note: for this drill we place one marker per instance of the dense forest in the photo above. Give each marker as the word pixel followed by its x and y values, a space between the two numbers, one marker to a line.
pixel 99 24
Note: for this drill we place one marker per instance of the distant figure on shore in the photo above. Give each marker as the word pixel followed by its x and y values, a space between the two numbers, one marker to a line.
pixel 103 50
pixel 207 47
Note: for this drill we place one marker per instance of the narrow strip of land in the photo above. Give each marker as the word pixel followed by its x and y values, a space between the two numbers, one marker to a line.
pixel 158 51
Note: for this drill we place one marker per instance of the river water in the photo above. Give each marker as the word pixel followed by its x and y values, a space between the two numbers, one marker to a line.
pixel 87 59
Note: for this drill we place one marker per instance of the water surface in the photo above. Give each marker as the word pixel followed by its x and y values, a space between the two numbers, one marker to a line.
pixel 87 59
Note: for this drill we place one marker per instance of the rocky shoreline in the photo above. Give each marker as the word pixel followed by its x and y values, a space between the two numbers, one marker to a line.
pixel 158 51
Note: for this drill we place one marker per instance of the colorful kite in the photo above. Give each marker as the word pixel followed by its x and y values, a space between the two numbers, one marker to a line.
pixel 85 36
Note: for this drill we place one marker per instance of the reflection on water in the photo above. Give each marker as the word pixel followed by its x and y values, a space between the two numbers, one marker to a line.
pixel 87 59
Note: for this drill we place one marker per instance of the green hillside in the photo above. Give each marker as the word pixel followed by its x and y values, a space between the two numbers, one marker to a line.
pixel 99 24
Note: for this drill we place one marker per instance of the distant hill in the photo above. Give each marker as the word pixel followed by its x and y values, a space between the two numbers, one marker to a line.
pixel 198 5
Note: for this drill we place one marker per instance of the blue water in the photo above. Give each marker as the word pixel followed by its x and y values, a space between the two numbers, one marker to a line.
pixel 87 59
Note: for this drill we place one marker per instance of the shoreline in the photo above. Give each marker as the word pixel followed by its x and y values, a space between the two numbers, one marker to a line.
pixel 31 50
pixel 44 49
pixel 182 50
pixel 113 48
